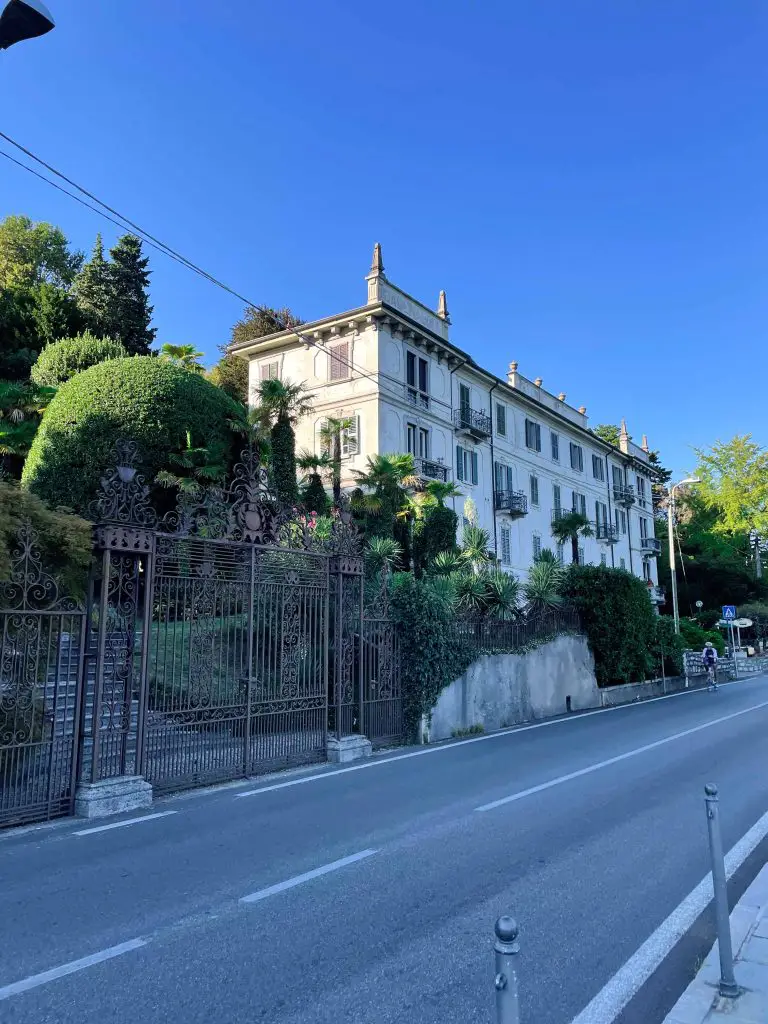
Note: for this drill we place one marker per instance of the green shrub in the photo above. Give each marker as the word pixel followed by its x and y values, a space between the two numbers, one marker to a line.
pixel 63 540
pixel 618 619
pixel 433 533
pixel 60 361
pixel 147 400
pixel 694 637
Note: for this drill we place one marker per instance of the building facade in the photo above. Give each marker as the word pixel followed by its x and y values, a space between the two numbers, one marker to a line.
pixel 522 454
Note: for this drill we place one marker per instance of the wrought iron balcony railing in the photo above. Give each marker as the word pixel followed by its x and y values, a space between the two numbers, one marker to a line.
pixel 624 495
pixel 650 546
pixel 470 421
pixel 513 502
pixel 606 533
pixel 431 469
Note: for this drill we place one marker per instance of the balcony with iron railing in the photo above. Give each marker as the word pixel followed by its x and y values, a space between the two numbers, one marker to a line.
pixel 606 533
pixel 624 495
pixel 514 503
pixel 650 546
pixel 429 469
pixel 469 421
pixel 657 594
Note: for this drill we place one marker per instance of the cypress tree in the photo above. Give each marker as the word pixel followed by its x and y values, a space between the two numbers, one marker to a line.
pixel 93 291
pixel 130 313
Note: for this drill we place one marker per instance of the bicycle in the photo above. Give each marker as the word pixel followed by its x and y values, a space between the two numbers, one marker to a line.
pixel 711 678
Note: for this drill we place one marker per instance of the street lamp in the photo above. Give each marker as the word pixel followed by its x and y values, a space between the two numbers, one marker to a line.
pixel 671 531
pixel 23 19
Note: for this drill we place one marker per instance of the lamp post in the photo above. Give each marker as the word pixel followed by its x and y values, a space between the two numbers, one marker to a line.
pixel 23 19
pixel 671 532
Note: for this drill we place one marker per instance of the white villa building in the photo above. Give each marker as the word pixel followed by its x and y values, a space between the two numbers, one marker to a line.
pixel 521 453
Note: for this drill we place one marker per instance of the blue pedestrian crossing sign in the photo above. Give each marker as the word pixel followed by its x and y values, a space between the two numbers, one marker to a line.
pixel 729 612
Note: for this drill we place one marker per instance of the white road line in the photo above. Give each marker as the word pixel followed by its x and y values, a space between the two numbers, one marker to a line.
pixel 614 760
pixel 628 980
pixel 122 824
pixel 443 748
pixel 290 883
pixel 71 968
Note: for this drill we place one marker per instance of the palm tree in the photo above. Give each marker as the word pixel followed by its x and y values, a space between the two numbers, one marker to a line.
pixel 21 406
pixel 314 497
pixel 570 526
pixel 475 547
pixel 249 422
pixel 186 356
pixel 542 588
pixel 282 404
pixel 198 466
pixel 387 481
pixel 440 492
pixel 331 434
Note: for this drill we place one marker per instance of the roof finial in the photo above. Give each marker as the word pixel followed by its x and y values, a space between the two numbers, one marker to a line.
pixel 644 445
pixel 377 265
pixel 442 308
pixel 624 432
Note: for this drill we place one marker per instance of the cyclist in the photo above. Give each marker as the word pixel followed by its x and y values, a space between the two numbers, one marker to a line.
pixel 709 657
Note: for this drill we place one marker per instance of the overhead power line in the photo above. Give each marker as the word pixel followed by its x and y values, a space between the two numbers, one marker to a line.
pixel 178 257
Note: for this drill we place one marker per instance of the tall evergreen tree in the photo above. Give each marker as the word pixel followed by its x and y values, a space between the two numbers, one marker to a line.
pixel 129 311
pixel 92 291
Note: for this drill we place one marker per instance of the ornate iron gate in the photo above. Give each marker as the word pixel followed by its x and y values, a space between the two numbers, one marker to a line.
pixel 41 659
pixel 381 688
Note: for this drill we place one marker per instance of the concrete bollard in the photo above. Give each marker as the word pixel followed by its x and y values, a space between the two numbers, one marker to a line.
pixel 506 950
pixel 728 987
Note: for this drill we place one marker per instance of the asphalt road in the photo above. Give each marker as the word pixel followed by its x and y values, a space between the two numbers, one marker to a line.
pixel 590 856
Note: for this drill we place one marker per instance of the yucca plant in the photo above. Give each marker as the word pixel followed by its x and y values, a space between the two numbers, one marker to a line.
pixel 542 589
pixel 445 563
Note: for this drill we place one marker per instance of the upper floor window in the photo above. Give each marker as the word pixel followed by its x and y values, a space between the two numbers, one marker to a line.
pixel 506 545
pixel 556 499
pixel 502 477
pixel 349 439
pixel 536 547
pixel 554 440
pixel 417 440
pixel 622 563
pixel 579 503
pixel 603 560
pixel 533 435
pixel 598 467
pixel 601 513
pixel 618 476
pixel 643 527
pixel 577 457
pixel 270 370
pixel 339 368
pixel 466 465
pixel 534 489
pixel 641 492
pixel 501 419
pixel 417 379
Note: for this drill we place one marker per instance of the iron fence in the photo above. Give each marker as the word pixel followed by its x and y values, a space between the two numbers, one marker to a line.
pixel 41 663
pixel 497 636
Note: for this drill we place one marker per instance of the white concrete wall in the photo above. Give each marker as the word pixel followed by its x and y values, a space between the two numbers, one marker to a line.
pixel 506 689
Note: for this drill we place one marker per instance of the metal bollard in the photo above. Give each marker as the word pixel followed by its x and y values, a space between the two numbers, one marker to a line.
pixel 506 949
pixel 728 987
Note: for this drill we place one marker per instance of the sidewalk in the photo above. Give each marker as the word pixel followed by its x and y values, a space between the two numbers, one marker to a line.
pixel 700 1002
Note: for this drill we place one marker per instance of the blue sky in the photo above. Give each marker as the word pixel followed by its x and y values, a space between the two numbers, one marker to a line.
pixel 586 179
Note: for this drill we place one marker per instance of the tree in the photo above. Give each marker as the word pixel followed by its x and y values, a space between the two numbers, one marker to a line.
pixel 129 312
pixel 92 290
pixel 35 253
pixel 570 526
pixel 331 435
pixel 61 360
pixel 21 406
pixel 143 399
pixel 313 497
pixel 734 480
pixel 283 404
pixel 608 432
pixel 31 318
pixel 231 372
pixel 543 588
pixel 382 489
pixel 186 356
pixel 434 528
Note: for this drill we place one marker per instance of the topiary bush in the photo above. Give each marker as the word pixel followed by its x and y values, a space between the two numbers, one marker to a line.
pixel 60 361
pixel 617 617
pixel 147 400
pixel 433 533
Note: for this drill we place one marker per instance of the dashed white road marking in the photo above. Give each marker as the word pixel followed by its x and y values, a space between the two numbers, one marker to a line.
pixel 290 883
pixel 72 967
pixel 122 824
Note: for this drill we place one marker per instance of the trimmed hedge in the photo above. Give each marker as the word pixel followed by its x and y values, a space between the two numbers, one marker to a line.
pixel 619 621
pixel 61 360
pixel 149 401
